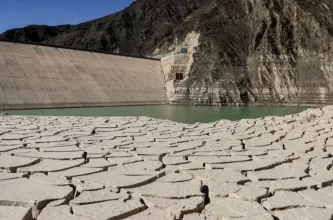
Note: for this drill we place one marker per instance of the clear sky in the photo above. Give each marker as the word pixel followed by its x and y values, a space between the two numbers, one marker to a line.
pixel 20 13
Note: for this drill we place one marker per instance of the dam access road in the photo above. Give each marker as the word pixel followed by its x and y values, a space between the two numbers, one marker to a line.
pixel 138 168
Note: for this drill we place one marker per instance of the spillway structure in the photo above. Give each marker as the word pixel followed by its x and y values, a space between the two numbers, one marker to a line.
pixel 36 76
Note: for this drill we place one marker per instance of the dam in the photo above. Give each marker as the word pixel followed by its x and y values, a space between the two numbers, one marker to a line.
pixel 33 76
pixel 36 77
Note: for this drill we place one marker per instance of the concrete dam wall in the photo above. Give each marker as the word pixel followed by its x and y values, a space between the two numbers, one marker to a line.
pixel 48 77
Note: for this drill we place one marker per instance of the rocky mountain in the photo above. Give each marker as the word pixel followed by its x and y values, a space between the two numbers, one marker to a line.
pixel 138 29
pixel 247 51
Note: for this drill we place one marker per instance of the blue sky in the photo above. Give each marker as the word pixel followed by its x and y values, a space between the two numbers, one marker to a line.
pixel 20 13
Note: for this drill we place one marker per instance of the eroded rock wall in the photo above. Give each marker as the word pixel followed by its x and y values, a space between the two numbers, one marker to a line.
pixel 262 52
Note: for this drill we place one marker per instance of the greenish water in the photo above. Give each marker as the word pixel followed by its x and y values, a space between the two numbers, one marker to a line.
pixel 185 114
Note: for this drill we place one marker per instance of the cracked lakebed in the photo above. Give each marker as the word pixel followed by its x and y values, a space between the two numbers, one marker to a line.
pixel 108 168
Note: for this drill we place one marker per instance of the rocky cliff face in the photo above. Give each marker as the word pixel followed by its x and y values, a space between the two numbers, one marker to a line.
pixel 247 52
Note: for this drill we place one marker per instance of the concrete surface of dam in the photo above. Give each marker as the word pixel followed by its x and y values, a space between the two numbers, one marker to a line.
pixel 33 76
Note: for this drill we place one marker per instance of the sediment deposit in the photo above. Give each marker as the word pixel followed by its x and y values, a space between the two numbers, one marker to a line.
pixel 77 168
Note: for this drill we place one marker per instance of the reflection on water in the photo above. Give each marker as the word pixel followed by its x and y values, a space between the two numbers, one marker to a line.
pixel 185 114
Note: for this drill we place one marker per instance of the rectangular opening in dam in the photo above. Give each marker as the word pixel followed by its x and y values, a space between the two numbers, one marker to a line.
pixel 179 76
pixel 184 114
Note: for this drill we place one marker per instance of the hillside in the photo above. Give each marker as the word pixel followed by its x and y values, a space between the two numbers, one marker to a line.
pixel 249 51
pixel 136 30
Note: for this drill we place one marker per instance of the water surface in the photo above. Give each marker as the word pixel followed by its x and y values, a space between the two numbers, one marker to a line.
pixel 184 114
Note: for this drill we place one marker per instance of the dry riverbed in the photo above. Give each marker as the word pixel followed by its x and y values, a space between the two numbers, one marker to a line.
pixel 108 168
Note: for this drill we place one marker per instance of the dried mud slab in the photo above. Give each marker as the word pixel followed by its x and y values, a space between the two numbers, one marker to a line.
pixel 60 212
pixel 12 163
pixel 91 197
pixel 109 209
pixel 27 192
pixel 15 213
pixel 48 165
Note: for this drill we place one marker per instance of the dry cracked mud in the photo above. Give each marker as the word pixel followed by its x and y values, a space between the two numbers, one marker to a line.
pixel 81 168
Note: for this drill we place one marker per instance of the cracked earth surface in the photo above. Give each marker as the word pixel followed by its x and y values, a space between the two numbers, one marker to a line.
pixel 75 168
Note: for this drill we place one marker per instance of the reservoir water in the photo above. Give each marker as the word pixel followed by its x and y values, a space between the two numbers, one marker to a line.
pixel 184 114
